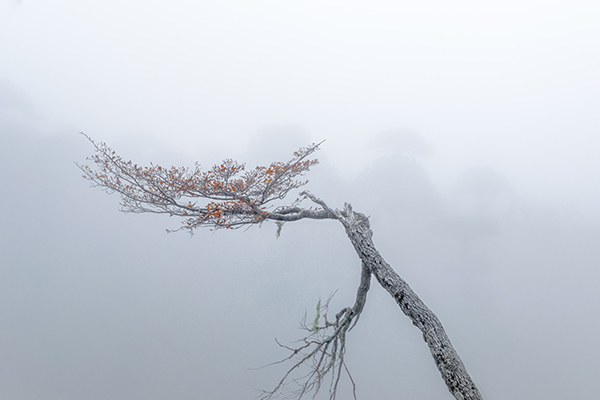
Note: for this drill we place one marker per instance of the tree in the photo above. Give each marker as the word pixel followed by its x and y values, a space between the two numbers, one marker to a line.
pixel 483 184
pixel 233 197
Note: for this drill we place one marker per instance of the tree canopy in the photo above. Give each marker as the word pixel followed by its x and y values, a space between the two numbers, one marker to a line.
pixel 233 196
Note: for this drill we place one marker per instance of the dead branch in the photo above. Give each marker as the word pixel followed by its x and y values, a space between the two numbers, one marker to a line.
pixel 322 350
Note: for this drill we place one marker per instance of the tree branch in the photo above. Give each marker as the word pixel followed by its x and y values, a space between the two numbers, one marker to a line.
pixel 234 197
pixel 323 349
pixel 298 215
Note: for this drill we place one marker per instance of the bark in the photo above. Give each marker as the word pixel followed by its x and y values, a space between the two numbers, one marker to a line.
pixel 358 230
pixel 446 358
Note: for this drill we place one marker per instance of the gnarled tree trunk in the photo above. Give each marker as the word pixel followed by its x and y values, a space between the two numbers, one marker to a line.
pixel 448 362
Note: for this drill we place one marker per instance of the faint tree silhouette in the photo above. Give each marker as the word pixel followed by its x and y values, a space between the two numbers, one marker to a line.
pixel 483 184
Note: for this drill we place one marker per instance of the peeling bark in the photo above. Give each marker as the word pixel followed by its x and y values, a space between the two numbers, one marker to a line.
pixel 446 358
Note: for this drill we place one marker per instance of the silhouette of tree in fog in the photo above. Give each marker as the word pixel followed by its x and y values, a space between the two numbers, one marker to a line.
pixel 398 180
pixel 476 193
pixel 483 184
pixel 229 196
pixel 402 141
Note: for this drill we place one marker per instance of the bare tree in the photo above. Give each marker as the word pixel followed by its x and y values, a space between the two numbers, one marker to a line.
pixel 233 197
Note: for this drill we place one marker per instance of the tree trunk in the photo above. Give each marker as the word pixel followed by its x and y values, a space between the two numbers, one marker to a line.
pixel 448 362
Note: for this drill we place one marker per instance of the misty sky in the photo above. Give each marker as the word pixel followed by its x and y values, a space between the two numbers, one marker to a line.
pixel 468 131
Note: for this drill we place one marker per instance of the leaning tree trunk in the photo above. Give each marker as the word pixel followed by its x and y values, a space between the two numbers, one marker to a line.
pixel 448 362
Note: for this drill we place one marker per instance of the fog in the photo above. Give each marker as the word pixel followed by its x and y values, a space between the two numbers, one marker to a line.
pixel 468 132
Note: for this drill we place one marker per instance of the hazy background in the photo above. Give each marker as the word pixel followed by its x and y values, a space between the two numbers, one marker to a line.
pixel 468 131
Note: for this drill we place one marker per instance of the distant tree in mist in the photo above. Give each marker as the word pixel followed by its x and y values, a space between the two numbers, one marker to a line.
pixel 230 196
pixel 484 185
pixel 402 141
pixel 13 99
pixel 482 189
pixel 397 179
